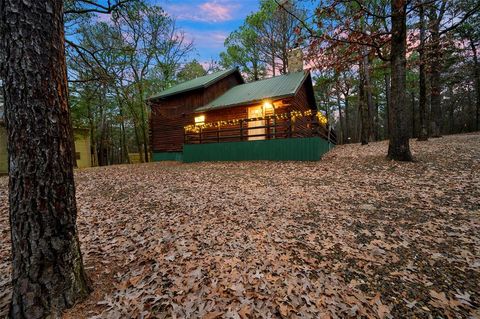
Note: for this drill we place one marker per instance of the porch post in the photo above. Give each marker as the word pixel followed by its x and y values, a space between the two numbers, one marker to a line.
pixel 241 130
pixel 289 124
pixel 268 127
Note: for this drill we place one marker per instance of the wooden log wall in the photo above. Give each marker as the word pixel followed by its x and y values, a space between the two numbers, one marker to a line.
pixel 170 115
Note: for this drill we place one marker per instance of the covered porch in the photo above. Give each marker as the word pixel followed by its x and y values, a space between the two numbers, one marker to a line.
pixel 260 125
pixel 265 135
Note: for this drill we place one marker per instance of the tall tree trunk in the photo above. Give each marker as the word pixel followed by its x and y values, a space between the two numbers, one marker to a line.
pixel 387 105
pixel 93 139
pixel 422 99
pixel 377 120
pixel 435 85
pixel 101 144
pixel 477 83
pixel 412 95
pixel 347 115
pixel 369 97
pixel 398 147
pixel 469 115
pixel 144 123
pixel 48 274
pixel 123 139
pixel 272 43
pixel 451 109
pixel 340 119
pixel 137 140
pixel 256 75
pixel 363 107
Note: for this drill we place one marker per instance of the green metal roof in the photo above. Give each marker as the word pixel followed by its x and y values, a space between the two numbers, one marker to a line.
pixel 200 82
pixel 273 88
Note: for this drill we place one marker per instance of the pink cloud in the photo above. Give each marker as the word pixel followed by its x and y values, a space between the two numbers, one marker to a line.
pixel 216 11
pixel 208 11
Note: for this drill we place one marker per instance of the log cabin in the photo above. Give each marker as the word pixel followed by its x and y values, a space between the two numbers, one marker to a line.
pixel 174 108
pixel 219 117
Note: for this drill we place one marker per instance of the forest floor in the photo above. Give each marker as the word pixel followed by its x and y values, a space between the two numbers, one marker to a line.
pixel 351 235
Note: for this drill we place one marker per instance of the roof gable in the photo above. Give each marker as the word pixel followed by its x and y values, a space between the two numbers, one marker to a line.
pixel 197 83
pixel 272 88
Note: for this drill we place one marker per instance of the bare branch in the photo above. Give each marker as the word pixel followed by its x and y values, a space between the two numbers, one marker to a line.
pixel 94 7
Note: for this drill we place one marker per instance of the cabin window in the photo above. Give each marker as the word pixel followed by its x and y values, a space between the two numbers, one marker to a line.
pixel 200 120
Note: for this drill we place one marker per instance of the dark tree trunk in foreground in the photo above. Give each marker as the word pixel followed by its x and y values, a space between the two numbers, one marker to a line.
pixel 48 274
pixel 398 147
pixel 422 98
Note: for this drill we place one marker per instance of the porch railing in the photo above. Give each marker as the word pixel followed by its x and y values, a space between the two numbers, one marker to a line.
pixel 286 125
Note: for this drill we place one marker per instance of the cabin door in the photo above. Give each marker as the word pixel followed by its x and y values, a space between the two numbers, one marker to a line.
pixel 255 112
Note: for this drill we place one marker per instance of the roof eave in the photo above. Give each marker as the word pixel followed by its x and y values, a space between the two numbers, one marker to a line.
pixel 198 87
pixel 278 97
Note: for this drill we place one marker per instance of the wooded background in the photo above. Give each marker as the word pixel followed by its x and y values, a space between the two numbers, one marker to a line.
pixel 115 62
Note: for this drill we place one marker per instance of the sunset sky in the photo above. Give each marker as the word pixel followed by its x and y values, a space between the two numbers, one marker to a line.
pixel 208 22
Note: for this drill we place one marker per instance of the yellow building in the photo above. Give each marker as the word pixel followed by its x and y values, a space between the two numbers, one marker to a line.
pixel 82 148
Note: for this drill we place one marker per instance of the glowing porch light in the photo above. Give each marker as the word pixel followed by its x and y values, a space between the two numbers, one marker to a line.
pixel 267 105
pixel 199 120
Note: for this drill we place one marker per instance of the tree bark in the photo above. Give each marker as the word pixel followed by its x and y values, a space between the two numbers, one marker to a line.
pixel 398 147
pixel 387 105
pixel 435 68
pixel 347 115
pixel 48 274
pixel 477 83
pixel 363 107
pixel 412 95
pixel 422 99
pixel 369 98
pixel 377 120
pixel 451 109
pixel 340 119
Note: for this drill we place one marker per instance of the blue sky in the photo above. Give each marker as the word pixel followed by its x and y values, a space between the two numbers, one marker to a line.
pixel 208 22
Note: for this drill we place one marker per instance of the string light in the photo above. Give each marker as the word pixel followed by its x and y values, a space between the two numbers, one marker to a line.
pixel 195 128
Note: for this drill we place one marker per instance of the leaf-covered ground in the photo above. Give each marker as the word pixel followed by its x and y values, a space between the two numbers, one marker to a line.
pixel 354 235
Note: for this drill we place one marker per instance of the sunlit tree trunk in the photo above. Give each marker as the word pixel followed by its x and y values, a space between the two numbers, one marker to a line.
pixel 48 274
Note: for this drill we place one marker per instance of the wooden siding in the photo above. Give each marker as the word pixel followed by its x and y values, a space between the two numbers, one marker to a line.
pixel 170 115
